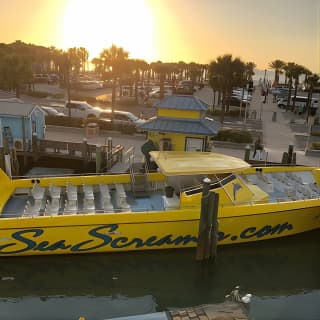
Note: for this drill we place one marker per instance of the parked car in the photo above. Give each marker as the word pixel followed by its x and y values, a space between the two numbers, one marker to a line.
pixel 235 101
pixel 81 109
pixel 155 94
pixel 49 111
pixel 122 119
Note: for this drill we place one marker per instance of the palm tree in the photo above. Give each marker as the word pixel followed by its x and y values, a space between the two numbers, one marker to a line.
pixel 114 59
pixel 311 82
pixel 74 59
pixel 83 55
pixel 229 72
pixel 195 73
pixel 250 66
pixel 293 72
pixel 278 66
pixel 161 69
pixel 15 70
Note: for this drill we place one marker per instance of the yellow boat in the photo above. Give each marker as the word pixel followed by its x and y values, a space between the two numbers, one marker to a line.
pixel 134 211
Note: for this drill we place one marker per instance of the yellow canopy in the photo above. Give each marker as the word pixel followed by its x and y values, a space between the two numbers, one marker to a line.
pixel 187 163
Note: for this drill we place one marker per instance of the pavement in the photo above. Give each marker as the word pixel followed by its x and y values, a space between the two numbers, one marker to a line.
pixel 277 135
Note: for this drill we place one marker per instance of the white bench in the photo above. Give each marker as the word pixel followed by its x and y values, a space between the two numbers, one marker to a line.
pixel 106 198
pixel 121 198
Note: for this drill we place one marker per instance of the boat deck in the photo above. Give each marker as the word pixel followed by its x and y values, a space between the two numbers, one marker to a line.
pixel 114 198
pixel 286 186
pixel 80 199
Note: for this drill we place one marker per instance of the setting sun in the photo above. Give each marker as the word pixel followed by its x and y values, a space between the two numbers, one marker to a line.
pixel 98 24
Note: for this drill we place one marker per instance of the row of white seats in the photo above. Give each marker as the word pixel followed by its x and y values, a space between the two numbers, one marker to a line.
pixel 52 205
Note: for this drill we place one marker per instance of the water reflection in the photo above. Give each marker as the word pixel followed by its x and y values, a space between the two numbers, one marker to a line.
pixel 169 278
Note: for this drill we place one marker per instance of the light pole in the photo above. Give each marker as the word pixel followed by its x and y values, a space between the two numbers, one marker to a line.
pixel 245 110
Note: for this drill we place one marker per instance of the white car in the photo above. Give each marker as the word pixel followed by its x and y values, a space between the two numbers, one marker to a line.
pixel 155 94
pixel 49 111
pixel 82 109
pixel 122 117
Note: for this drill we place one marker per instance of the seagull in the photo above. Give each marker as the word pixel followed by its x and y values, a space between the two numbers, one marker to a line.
pixel 247 298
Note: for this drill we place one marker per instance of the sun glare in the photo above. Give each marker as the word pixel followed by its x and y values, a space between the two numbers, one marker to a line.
pixel 97 24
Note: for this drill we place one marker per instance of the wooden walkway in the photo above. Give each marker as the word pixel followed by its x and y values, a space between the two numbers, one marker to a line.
pixel 223 311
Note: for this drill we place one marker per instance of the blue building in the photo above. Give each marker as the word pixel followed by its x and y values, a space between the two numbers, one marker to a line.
pixel 19 122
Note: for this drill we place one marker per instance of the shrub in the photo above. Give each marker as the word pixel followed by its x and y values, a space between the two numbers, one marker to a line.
pixel 230 113
pixel 315 146
pixel 64 121
pixel 238 136
pixel 37 94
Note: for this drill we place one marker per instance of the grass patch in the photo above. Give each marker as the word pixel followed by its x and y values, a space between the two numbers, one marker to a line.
pixel 315 146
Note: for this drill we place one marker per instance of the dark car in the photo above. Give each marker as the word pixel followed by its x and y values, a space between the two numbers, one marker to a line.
pixel 235 101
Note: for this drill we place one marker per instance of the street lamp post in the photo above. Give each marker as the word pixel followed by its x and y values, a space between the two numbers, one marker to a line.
pixel 246 108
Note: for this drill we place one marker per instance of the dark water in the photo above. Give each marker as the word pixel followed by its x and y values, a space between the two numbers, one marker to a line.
pixel 283 275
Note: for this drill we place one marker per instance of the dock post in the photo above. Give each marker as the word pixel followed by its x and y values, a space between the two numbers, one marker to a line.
pixel 247 153
pixel 98 158
pixel 208 226
pixel 109 153
pixel 85 153
pixel 285 158
pixel 290 153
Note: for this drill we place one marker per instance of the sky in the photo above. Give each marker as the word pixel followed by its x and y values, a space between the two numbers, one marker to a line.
pixel 258 31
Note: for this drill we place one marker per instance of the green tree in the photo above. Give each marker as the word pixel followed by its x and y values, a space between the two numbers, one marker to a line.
pixel 227 73
pixel 83 55
pixel 293 72
pixel 15 71
pixel 114 60
pixel 311 81
pixel 278 66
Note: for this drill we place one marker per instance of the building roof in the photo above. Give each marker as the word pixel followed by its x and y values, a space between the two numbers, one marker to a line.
pixel 205 126
pixel 12 108
pixel 182 102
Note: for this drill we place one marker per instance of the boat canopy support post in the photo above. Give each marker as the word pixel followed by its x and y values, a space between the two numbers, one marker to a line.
pixel 208 225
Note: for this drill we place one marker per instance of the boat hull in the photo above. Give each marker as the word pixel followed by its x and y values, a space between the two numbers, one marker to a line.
pixel 119 232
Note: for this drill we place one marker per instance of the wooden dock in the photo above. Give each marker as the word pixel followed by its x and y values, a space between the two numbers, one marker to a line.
pixel 103 156
pixel 228 310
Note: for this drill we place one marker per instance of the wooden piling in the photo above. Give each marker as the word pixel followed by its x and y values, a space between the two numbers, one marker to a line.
pixel 247 153
pixel 98 158
pixel 290 154
pixel 85 153
pixel 109 153
pixel 208 226
pixel 2 158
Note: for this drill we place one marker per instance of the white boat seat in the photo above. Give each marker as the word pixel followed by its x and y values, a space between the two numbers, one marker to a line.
pixel 171 203
pixel 52 208
pixel 108 206
pixel 88 191
pixel 290 192
pixel 72 192
pixel 104 191
pixel 38 192
pixel 88 204
pixel 121 198
pixel 54 191
pixel 71 207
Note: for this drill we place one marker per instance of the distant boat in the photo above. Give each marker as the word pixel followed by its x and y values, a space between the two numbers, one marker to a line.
pixel 156 210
